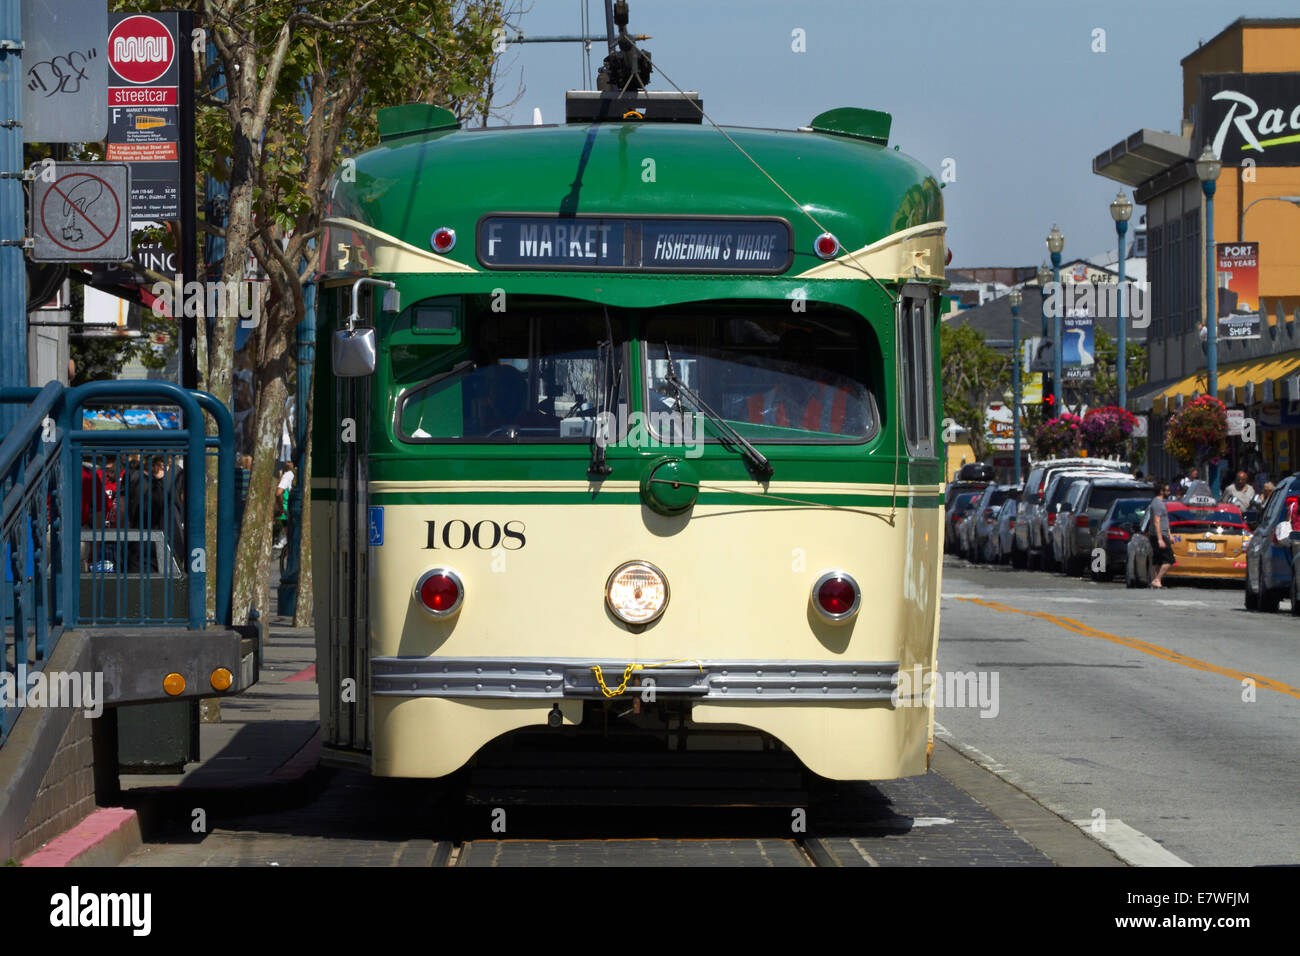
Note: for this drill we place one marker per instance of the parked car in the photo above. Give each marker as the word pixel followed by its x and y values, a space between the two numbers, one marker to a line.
pixel 983 520
pixel 1087 501
pixel 958 508
pixel 1295 573
pixel 1208 540
pixel 1116 529
pixel 999 546
pixel 1031 498
pixel 1043 517
pixel 1269 556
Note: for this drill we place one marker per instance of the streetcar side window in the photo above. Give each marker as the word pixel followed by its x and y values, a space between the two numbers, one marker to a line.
pixel 916 378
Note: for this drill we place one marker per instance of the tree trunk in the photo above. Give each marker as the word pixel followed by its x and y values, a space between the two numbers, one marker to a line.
pixel 253 556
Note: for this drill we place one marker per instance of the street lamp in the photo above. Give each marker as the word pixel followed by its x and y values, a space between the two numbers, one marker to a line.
pixel 1015 299
pixel 1055 243
pixel 1207 171
pixel 1044 277
pixel 1241 216
pixel 1120 210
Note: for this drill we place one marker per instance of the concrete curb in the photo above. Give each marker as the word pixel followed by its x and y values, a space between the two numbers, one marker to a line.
pixel 105 838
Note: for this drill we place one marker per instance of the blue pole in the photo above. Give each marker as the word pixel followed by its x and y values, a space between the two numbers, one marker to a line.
pixel 13 269
pixel 1015 384
pixel 287 599
pixel 1212 320
pixel 1121 227
pixel 1056 343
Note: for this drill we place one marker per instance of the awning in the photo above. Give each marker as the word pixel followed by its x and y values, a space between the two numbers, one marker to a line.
pixel 1273 377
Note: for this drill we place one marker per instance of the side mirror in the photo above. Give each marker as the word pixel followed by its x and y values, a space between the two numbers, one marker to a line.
pixel 392 301
pixel 354 353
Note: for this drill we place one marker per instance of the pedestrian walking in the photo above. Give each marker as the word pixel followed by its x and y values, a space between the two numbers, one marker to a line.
pixel 282 499
pixel 1161 539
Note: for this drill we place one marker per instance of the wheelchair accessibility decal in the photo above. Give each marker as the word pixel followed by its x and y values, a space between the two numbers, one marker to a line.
pixel 376 525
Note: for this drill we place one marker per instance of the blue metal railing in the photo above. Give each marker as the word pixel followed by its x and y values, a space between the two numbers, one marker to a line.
pixel 107 528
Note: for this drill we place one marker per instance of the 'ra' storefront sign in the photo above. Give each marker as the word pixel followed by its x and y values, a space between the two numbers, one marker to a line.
pixel 1250 116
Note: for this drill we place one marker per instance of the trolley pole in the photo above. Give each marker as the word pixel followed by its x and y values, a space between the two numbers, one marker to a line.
pixel 13 269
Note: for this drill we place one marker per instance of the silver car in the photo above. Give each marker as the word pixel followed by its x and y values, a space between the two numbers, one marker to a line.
pixel 1086 502
pixel 1042 517
pixel 998 550
pixel 1026 549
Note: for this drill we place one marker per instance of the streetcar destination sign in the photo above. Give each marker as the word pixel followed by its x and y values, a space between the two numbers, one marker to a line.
pixel 626 244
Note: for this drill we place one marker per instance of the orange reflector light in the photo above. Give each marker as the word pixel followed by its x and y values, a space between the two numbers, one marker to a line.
pixel 221 679
pixel 174 684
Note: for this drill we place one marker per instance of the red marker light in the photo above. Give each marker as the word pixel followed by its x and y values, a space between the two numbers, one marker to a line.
pixel 947 259
pixel 440 591
pixel 827 246
pixel 443 240
pixel 836 595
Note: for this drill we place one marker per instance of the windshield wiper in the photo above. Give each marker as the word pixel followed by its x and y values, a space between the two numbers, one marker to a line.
pixel 608 358
pixel 680 390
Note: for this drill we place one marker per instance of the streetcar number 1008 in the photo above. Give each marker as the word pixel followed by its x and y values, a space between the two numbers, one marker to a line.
pixel 486 535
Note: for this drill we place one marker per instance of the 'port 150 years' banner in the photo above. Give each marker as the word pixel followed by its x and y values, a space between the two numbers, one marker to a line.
pixel 1237 298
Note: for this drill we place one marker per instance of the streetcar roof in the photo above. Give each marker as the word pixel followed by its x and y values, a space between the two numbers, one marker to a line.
pixel 860 191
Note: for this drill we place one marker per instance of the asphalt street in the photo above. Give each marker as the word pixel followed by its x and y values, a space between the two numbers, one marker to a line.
pixel 1168 723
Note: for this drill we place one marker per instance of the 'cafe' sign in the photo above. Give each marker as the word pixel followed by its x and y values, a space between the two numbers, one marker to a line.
pixel 1251 117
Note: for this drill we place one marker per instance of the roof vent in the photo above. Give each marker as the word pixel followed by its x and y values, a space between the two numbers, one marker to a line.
pixel 871 125
pixel 413 118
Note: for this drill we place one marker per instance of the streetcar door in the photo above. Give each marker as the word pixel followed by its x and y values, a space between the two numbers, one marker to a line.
pixel 343 657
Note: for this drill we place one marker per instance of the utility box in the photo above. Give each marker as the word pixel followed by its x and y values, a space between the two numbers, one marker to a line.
pixel 157 738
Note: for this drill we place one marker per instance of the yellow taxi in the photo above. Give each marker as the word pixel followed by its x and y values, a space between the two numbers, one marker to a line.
pixel 1209 541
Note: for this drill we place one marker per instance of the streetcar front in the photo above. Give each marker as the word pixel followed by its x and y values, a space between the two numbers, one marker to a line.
pixel 635 447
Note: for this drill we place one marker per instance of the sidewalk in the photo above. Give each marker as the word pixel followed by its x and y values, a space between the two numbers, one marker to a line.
pixel 264 753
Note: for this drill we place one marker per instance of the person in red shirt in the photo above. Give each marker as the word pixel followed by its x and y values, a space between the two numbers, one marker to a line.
pixel 800 399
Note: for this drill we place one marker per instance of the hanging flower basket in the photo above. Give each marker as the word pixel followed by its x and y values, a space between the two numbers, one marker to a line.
pixel 1058 437
pixel 1106 430
pixel 1197 431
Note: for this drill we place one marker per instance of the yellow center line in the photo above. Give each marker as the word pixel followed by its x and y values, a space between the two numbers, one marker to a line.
pixel 1155 650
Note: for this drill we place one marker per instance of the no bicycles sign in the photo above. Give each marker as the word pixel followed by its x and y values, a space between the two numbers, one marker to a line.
pixel 82 213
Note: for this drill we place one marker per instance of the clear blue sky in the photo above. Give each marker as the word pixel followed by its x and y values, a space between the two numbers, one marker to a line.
pixel 1009 89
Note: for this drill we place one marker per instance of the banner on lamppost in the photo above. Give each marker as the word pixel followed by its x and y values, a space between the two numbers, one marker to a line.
pixel 1237 299
pixel 1077 354
pixel 1031 389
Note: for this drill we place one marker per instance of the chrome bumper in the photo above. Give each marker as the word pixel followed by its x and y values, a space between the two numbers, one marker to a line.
pixel 537 679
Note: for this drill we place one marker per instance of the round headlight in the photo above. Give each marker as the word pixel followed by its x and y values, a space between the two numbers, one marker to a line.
pixel 637 592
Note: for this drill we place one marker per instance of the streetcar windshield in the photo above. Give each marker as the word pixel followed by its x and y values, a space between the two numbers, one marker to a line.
pixel 773 374
pixel 526 374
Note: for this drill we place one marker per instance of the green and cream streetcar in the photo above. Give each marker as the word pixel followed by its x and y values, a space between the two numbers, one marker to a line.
pixel 629 423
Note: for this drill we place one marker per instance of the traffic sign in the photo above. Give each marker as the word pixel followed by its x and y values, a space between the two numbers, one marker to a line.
pixel 65 77
pixel 82 213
